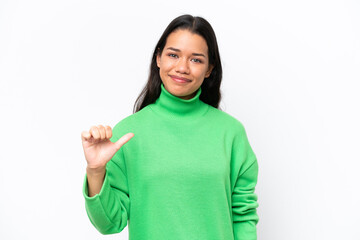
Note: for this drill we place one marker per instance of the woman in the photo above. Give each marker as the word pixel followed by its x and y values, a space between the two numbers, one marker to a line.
pixel 187 170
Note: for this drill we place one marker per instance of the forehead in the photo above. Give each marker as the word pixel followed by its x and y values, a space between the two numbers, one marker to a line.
pixel 186 41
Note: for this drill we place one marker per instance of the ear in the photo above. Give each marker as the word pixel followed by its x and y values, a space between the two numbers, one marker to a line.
pixel 158 59
pixel 211 67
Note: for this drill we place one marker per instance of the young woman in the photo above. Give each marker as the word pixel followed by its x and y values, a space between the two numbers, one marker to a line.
pixel 187 170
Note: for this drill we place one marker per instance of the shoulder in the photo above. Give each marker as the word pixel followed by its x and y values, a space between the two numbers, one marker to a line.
pixel 128 123
pixel 226 119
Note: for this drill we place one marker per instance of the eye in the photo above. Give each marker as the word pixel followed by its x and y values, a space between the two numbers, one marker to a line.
pixel 172 55
pixel 197 60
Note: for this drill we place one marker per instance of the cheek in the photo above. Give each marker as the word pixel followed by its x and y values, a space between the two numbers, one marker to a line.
pixel 199 72
pixel 164 70
pixel 166 66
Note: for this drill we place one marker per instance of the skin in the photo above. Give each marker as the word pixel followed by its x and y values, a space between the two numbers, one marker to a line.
pixel 98 151
pixel 185 55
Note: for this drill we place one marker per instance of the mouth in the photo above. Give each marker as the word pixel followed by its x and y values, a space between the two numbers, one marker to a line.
pixel 180 79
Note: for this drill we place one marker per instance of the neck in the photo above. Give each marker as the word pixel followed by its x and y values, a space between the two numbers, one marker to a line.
pixel 174 107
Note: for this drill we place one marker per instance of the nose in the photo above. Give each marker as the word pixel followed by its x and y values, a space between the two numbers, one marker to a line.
pixel 182 66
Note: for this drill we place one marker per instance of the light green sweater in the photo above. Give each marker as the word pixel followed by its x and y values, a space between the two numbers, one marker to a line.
pixel 189 173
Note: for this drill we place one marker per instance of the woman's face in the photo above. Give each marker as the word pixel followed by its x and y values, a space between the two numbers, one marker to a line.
pixel 184 63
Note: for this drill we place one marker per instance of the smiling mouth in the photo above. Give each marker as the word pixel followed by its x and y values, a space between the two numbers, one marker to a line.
pixel 180 79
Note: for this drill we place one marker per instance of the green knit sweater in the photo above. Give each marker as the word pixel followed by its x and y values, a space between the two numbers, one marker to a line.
pixel 189 173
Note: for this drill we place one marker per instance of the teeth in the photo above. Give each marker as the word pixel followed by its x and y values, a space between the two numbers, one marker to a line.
pixel 181 80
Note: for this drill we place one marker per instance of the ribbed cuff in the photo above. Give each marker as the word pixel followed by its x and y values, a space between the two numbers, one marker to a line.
pixel 95 205
pixel 245 230
pixel 104 191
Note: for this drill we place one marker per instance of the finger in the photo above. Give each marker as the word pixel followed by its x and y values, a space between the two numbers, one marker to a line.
pixel 85 136
pixel 124 139
pixel 108 132
pixel 94 131
pixel 102 132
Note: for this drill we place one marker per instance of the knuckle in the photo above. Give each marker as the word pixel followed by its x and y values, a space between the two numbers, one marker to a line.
pixel 101 131
pixel 108 132
pixel 94 132
pixel 93 129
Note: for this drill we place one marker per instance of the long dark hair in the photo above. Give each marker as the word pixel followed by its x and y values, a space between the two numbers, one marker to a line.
pixel 210 88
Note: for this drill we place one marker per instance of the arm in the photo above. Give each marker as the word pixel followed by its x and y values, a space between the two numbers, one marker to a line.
pixel 108 210
pixel 244 200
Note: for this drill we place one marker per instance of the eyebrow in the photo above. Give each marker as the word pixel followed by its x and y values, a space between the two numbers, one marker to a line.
pixel 178 50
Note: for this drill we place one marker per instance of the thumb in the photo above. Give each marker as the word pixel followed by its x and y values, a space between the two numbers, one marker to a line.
pixel 124 139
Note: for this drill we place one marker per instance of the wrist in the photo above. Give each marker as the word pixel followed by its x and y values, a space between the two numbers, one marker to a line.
pixel 95 180
pixel 95 171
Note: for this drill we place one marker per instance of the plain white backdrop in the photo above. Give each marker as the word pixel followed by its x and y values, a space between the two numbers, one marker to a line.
pixel 291 76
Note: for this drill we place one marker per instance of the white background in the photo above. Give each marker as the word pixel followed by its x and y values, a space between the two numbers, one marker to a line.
pixel 291 76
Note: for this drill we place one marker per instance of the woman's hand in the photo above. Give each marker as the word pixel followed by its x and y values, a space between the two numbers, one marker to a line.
pixel 98 148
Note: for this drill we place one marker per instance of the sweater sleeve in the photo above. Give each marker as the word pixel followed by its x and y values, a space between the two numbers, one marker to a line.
pixel 244 200
pixel 108 211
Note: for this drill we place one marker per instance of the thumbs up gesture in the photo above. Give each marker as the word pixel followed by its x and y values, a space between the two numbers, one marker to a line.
pixel 98 148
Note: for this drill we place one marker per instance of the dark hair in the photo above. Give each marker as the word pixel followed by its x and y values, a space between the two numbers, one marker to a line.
pixel 210 88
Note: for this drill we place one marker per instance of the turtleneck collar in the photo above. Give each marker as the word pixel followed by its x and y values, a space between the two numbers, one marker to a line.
pixel 172 106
